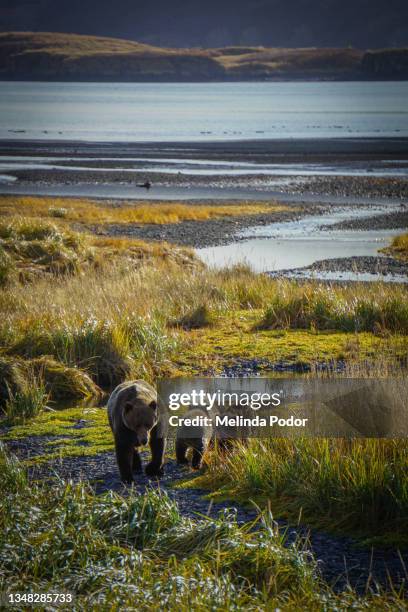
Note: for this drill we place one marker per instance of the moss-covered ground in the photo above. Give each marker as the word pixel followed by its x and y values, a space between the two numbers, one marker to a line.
pixel 74 431
pixel 233 336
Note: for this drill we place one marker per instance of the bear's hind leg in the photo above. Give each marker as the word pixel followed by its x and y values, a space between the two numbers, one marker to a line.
pixel 198 452
pixel 181 449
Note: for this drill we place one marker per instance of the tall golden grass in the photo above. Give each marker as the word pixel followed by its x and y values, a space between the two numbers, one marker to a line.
pixel 398 247
pixel 89 211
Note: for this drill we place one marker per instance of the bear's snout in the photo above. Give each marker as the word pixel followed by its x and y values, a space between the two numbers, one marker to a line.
pixel 142 436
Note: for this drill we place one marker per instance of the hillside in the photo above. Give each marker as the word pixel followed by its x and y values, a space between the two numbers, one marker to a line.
pixel 72 57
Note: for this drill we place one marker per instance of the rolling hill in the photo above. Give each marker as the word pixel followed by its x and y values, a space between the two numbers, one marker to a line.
pixel 72 57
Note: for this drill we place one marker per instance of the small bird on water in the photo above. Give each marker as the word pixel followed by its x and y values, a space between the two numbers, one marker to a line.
pixel 146 184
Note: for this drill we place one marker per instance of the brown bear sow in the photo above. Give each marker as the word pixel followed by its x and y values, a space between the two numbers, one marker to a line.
pixel 135 420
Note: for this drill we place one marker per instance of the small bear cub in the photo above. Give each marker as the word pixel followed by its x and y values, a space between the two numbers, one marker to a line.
pixel 196 437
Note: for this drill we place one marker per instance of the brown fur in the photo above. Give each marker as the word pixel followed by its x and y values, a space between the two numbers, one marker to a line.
pixel 198 438
pixel 135 419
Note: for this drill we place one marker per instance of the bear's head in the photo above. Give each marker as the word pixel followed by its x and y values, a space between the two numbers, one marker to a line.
pixel 139 412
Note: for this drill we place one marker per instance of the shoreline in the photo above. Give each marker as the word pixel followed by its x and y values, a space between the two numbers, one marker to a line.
pixel 349 269
pixel 191 187
pixel 324 148
pixel 202 234
pixel 111 173
pixel 227 232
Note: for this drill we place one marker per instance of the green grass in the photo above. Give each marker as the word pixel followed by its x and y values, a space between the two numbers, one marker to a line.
pixel 64 383
pixel 235 335
pixel 97 347
pixel 138 552
pixel 326 308
pixel 137 310
pixel 133 310
pixel 34 247
pixel 195 318
pixel 12 378
pixel 108 351
pixel 65 439
pixel 6 267
pixel 28 401
pixel 356 486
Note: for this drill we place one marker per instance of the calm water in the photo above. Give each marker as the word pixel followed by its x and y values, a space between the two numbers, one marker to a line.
pixel 295 244
pixel 267 254
pixel 201 111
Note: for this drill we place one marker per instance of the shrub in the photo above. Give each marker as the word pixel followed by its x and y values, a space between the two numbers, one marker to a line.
pixel 62 382
pixel 359 485
pixel 98 347
pixel 7 267
pixel 326 308
pixel 12 378
pixel 196 318
pixel 27 402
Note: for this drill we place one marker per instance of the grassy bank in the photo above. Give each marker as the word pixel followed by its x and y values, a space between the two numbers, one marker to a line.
pixel 354 486
pixel 86 211
pixel 398 247
pixel 31 249
pixel 137 552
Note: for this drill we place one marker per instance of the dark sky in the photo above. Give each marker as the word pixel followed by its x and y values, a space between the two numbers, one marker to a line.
pixel 360 23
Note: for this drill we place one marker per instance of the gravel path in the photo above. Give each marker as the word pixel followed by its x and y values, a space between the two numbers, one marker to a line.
pixel 340 559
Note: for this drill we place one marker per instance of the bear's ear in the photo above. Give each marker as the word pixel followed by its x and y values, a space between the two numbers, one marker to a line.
pixel 153 405
pixel 128 407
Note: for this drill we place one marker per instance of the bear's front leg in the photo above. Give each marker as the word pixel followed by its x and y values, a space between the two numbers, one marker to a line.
pixel 137 462
pixel 124 457
pixel 181 449
pixel 157 446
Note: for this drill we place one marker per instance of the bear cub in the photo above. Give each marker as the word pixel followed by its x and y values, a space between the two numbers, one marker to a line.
pixel 135 420
pixel 197 437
